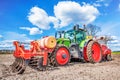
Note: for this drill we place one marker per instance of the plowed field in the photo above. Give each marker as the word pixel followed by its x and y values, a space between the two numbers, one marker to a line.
pixel 109 70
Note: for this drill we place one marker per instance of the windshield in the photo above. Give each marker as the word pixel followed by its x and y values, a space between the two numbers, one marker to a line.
pixel 69 34
pixel 75 36
pixel 80 35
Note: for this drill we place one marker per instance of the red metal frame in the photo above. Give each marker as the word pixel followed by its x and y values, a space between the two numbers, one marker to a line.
pixel 105 50
pixel 35 50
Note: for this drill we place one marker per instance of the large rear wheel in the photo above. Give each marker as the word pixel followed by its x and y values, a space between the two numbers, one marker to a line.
pixel 94 52
pixel 60 56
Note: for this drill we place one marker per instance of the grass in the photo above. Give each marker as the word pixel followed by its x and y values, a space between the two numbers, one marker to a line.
pixel 116 52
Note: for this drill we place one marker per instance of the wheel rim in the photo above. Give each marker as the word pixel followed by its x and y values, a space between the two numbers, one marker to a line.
pixel 96 52
pixel 62 56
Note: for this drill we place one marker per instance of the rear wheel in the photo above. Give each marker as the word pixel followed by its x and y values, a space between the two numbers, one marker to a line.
pixel 60 56
pixel 94 52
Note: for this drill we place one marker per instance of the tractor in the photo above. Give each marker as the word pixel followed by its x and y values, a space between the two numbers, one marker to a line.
pixel 51 51
pixel 81 46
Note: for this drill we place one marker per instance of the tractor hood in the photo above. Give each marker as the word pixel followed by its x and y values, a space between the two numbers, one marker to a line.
pixel 64 41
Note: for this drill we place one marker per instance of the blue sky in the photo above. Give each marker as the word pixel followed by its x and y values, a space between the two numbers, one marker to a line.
pixel 26 20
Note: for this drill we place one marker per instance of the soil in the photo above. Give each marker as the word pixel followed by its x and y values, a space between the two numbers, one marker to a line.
pixel 107 70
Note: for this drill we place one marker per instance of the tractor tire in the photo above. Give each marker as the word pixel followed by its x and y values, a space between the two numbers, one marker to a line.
pixel 108 57
pixel 94 52
pixel 60 56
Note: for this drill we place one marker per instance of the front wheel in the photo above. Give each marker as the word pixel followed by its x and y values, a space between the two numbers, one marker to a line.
pixel 60 56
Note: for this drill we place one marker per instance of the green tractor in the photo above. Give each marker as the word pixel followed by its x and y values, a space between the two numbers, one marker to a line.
pixel 80 45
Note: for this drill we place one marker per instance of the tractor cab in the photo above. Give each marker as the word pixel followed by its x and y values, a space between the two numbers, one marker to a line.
pixel 75 36
pixel 60 37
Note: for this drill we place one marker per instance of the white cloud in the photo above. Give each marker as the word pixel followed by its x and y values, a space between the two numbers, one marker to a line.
pixel 117 45
pixel 96 4
pixel 114 37
pixel 15 36
pixel 99 0
pixel 33 31
pixel 114 44
pixel 10 37
pixel 112 26
pixel 8 44
pixel 39 18
pixel 54 20
pixel 106 4
pixel 66 13
pixel 1 36
pixel 119 7
pixel 114 41
pixel 69 12
pixel 103 2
